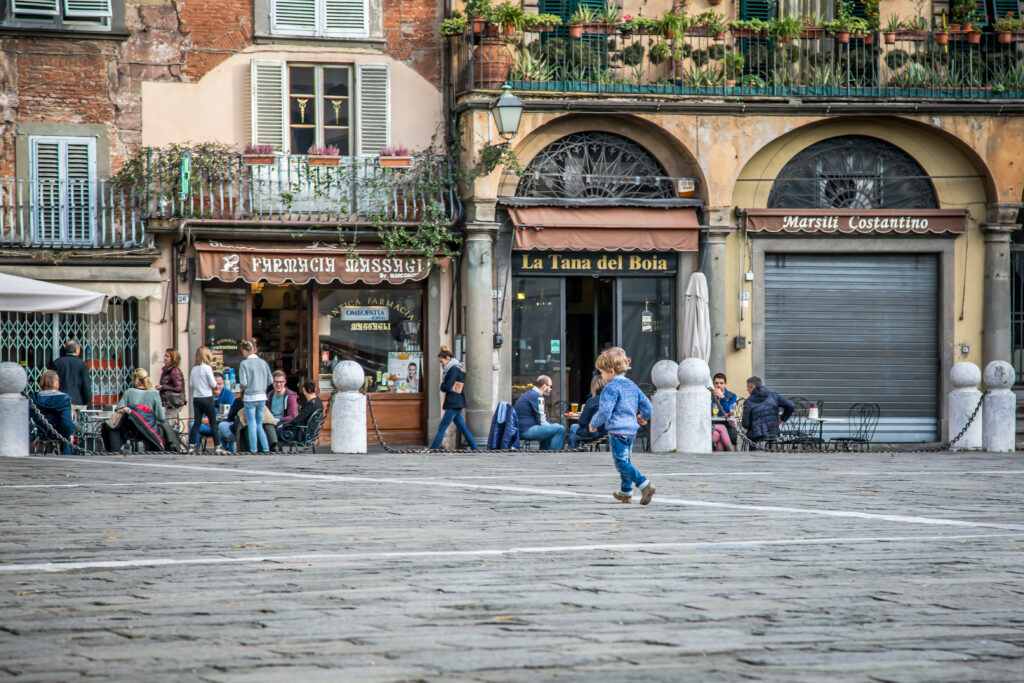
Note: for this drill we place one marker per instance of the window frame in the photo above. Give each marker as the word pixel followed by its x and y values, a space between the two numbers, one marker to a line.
pixel 318 87
pixel 319 30
pixel 64 207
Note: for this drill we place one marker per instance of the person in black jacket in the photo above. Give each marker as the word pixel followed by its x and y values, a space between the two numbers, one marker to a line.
pixel 452 381
pixel 581 431
pixel 286 431
pixel 74 374
pixel 761 418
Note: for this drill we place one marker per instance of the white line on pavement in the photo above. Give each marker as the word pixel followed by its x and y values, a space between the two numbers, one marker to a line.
pixel 523 550
pixel 563 492
pixel 98 485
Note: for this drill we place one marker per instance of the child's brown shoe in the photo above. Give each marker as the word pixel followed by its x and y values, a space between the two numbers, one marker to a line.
pixel 622 497
pixel 647 494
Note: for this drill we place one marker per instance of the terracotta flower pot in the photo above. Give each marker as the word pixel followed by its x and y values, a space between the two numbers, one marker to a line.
pixel 395 162
pixel 941 38
pixel 1004 37
pixel 258 159
pixel 869 38
pixel 890 38
pixel 492 64
pixel 974 37
pixel 575 30
pixel 323 160
pixel 811 32
pixel 843 36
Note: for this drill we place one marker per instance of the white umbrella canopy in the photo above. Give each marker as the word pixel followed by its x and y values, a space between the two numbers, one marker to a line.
pixel 696 341
pixel 24 295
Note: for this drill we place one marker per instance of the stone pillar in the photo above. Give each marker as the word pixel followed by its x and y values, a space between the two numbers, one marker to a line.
pixel 720 225
pixel 962 401
pixel 693 415
pixel 479 282
pixel 348 412
pixel 995 335
pixel 665 375
pixel 999 423
pixel 13 411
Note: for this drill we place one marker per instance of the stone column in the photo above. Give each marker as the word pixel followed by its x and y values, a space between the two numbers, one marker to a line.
pixel 348 412
pixel 963 399
pixel 693 416
pixel 665 375
pixel 995 335
pixel 13 411
pixel 719 227
pixel 479 281
pixel 999 423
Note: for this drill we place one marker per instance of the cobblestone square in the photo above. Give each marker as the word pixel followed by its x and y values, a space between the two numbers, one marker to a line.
pixel 858 567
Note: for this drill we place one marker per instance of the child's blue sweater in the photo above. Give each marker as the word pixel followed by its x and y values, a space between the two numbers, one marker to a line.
pixel 621 400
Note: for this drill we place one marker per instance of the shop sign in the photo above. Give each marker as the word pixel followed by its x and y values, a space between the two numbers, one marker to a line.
pixel 365 313
pixel 880 221
pixel 593 263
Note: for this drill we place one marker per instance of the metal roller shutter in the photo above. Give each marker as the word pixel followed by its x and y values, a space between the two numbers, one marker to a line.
pixel 856 328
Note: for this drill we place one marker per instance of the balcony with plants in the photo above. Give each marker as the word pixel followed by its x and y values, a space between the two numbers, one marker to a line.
pixel 705 55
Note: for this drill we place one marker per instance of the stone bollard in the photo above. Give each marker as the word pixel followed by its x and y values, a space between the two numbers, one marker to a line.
pixel 13 411
pixel 348 412
pixel 962 402
pixel 665 375
pixel 999 426
pixel 693 410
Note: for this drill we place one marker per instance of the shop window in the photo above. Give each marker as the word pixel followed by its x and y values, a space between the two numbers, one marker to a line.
pixel 225 327
pixel 852 172
pixel 63 186
pixel 381 329
pixel 62 15
pixel 320 18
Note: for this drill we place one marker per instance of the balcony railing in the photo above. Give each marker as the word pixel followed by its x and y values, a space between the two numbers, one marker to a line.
pixel 298 188
pixel 69 214
pixel 912 66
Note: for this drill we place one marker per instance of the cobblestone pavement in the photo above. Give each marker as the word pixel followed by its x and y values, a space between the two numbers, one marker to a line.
pixel 869 567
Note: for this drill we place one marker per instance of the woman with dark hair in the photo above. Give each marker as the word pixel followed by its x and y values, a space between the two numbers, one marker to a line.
pixel 172 382
pixel 286 431
pixel 452 383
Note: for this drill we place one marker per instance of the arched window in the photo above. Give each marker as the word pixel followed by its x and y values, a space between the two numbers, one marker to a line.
pixel 852 172
pixel 595 164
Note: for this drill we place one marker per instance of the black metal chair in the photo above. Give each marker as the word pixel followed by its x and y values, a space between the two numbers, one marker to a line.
pixel 863 419
pixel 306 435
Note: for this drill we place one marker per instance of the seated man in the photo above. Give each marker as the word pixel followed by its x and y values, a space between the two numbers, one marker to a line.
pixel 55 408
pixel 288 431
pixel 221 397
pixel 533 422
pixel 761 418
pixel 581 431
pixel 723 405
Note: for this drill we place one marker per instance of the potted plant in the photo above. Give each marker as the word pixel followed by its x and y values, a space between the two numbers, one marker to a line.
pixel 941 36
pixel 658 52
pixel 712 22
pixel 752 81
pixel 541 23
pixel 786 28
pixel 258 155
pixel 974 35
pixel 583 16
pixel 608 20
pixel 748 28
pixel 674 24
pixel 639 25
pixel 914 29
pixel 396 156
pixel 479 12
pixel 813 26
pixel 961 12
pixel 846 25
pixel 320 155
pixel 1006 28
pixel 454 25
pixel 509 17
pixel 892 28
pixel 732 67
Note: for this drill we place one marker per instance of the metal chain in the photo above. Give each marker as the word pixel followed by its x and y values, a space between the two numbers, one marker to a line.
pixel 56 435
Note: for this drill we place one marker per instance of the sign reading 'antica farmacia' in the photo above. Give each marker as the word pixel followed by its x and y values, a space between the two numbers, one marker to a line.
pixel 857 221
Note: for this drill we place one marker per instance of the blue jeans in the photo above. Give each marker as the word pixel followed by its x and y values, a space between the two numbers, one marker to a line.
pixel 551 437
pixel 622 450
pixel 450 416
pixel 254 423
pixel 225 432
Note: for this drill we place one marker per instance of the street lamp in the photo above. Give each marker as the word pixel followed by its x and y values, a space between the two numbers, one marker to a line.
pixel 507 110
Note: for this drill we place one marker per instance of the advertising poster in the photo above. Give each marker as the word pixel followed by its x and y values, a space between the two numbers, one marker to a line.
pixel 406 367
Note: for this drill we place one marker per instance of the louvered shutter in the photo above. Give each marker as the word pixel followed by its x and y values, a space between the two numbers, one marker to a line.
pixel 267 95
pixel 47 7
pixel 757 9
pixel 346 17
pixel 79 194
pixel 293 16
pixel 47 187
pixel 373 117
pixel 87 8
pixel 1000 8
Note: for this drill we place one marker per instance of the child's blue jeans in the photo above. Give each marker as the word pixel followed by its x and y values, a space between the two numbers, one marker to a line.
pixel 622 450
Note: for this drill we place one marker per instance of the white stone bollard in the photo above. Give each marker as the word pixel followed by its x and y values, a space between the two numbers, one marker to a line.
pixel 13 411
pixel 999 424
pixel 693 410
pixel 665 375
pixel 962 401
pixel 348 412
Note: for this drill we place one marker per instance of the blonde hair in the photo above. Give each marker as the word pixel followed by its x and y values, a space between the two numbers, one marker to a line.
pixel 175 357
pixel 204 356
pixel 248 346
pixel 48 380
pixel 142 376
pixel 613 360
pixel 596 384
pixel 445 352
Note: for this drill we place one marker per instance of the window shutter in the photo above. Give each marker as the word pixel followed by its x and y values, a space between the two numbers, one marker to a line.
pixel 48 7
pixel 79 193
pixel 373 118
pixel 757 9
pixel 1000 8
pixel 87 8
pixel 267 94
pixel 293 16
pixel 346 18
pixel 46 186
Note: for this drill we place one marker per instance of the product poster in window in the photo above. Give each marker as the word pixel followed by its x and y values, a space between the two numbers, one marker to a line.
pixel 405 370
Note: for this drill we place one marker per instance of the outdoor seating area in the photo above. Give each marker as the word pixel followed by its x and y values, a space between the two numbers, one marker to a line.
pixel 805 429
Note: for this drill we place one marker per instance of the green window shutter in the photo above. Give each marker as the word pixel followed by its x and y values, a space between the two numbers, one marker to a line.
pixel 266 102
pixel 47 7
pixel 87 8
pixel 757 9
pixel 1000 8
pixel 46 203
pixel 79 193
pixel 346 18
pixel 373 116
pixel 293 16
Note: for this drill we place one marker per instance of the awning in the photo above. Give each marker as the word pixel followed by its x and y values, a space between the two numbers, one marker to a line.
pixel 612 228
pixel 24 295
pixel 301 263
pixel 123 282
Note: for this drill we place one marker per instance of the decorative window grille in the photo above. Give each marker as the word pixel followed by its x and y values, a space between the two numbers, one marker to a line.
pixel 595 164
pixel 110 344
pixel 853 172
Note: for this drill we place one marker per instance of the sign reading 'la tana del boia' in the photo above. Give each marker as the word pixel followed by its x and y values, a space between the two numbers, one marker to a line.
pixel 592 263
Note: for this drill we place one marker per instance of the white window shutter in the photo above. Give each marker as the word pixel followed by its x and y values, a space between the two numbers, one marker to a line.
pixel 79 193
pixel 267 104
pixel 373 108
pixel 47 7
pixel 293 16
pixel 46 191
pixel 346 17
pixel 87 8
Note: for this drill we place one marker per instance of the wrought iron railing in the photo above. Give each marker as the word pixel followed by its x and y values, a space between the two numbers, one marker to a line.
pixel 902 65
pixel 1017 312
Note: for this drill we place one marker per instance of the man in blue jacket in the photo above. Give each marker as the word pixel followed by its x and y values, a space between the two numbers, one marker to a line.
pixel 761 418
pixel 533 422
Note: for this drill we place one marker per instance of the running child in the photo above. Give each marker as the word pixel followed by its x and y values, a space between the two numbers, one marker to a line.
pixel 623 409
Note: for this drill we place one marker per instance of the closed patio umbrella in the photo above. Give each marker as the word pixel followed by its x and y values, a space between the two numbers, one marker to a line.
pixel 696 341
pixel 24 295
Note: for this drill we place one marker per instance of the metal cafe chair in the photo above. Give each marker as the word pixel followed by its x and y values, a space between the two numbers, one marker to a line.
pixel 863 419
pixel 306 435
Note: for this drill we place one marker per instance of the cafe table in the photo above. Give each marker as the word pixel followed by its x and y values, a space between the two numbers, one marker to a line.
pixel 821 424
